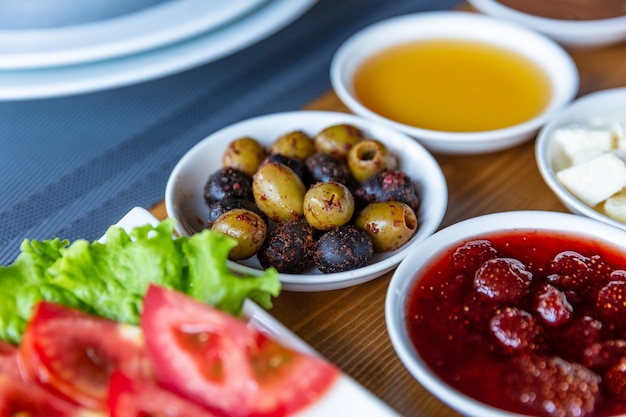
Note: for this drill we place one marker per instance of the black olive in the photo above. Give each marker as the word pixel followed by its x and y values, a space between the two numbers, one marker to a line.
pixel 289 246
pixel 323 167
pixel 343 249
pixel 389 185
pixel 296 165
pixel 228 183
pixel 220 207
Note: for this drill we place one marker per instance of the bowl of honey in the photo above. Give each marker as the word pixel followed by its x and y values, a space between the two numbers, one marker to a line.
pixel 457 82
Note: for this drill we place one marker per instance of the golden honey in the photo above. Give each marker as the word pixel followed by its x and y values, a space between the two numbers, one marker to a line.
pixel 452 85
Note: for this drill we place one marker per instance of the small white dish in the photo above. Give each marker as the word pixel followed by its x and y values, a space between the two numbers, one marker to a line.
pixel 185 203
pixel 47 82
pixel 570 33
pixel 465 26
pixel 408 275
pixel 345 397
pixel 583 112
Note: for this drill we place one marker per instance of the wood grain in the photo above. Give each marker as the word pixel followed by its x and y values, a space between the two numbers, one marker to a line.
pixel 348 326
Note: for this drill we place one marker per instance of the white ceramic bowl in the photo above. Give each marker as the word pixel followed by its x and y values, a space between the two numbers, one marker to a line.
pixel 570 33
pixel 407 276
pixel 185 203
pixel 584 112
pixel 557 64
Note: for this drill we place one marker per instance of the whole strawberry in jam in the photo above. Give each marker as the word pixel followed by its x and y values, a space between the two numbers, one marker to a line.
pixel 577 335
pixel 468 257
pixel 615 379
pixel 570 271
pixel 516 330
pixel 611 303
pixel 503 280
pixel 603 355
pixel 551 386
pixel 552 306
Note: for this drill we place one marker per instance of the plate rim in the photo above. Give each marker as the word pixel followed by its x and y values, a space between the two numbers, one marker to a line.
pixel 153 64
pixel 153 27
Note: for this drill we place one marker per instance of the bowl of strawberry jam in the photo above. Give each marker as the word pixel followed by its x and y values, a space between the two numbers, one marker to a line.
pixel 516 313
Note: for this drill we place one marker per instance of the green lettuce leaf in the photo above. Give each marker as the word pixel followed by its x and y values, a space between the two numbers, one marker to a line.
pixel 211 281
pixel 110 278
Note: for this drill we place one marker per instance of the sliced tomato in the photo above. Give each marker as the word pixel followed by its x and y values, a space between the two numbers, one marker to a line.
pixel 74 354
pixel 141 398
pixel 17 398
pixel 8 360
pixel 223 364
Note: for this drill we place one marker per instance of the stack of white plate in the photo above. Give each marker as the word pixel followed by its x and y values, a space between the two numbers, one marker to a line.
pixel 165 37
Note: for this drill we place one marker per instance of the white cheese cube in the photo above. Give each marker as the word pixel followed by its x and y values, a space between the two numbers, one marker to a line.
pixel 618 130
pixel 582 157
pixel 615 206
pixel 574 142
pixel 596 180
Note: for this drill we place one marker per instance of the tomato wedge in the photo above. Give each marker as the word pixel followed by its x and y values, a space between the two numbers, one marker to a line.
pixel 74 354
pixel 8 360
pixel 17 398
pixel 141 398
pixel 220 362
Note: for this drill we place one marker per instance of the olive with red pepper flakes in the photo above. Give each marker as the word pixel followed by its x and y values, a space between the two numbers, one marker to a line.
pixel 368 157
pixel 337 139
pixel 246 227
pixel 342 249
pixel 220 207
pixel 295 144
pixel 327 205
pixel 390 224
pixel 228 183
pixel 288 247
pixel 389 185
pixel 244 154
pixel 296 165
pixel 323 167
pixel 278 191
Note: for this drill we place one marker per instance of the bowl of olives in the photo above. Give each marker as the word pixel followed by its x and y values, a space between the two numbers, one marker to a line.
pixel 329 199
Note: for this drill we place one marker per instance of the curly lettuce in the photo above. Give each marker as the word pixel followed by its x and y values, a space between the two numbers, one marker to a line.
pixel 109 278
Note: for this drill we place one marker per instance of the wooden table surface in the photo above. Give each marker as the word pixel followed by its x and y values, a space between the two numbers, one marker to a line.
pixel 347 326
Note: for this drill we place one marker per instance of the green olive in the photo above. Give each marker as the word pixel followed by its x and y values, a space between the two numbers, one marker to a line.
pixel 278 191
pixel 338 139
pixel 296 144
pixel 245 226
pixel 244 154
pixel 328 205
pixel 369 157
pixel 389 224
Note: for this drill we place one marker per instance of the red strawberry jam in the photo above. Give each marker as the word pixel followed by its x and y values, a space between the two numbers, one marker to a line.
pixel 530 322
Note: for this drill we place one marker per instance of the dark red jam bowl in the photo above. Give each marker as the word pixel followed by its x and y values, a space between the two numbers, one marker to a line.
pixel 517 313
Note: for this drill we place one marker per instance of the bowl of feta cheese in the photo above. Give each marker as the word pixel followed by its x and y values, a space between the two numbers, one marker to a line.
pixel 581 155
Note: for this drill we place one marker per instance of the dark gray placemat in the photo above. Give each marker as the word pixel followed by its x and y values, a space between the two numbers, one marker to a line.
pixel 71 166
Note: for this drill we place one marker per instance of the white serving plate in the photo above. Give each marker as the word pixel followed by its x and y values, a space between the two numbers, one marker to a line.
pixel 153 27
pixel 40 83
pixel 345 398
pixel 185 203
